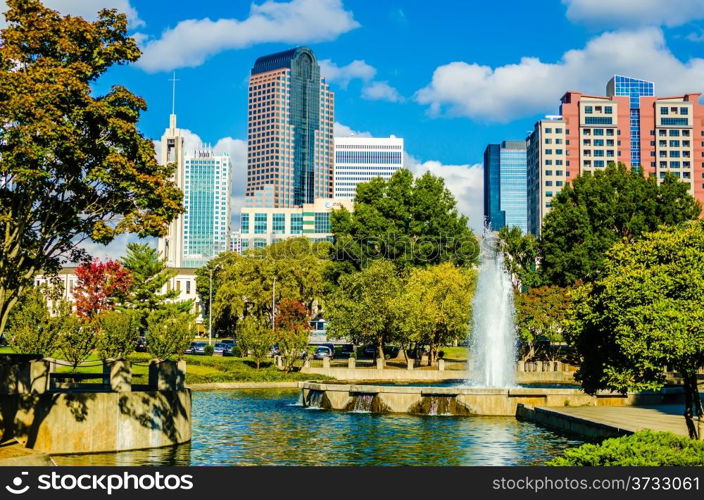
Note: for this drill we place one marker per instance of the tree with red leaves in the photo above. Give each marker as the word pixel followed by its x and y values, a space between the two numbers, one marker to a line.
pixel 292 330
pixel 100 286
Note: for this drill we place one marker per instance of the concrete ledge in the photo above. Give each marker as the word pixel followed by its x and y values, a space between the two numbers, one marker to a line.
pixel 421 375
pixel 216 386
pixel 555 420
pixel 474 401
pixel 92 422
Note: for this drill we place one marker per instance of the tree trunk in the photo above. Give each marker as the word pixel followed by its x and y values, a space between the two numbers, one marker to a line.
pixel 433 355
pixel 693 404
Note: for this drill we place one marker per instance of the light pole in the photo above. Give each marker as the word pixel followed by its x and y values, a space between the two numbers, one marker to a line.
pixel 273 305
pixel 210 307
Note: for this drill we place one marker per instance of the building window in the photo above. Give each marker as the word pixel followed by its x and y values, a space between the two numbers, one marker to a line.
pixel 279 223
pixel 259 224
pixel 244 225
pixel 322 222
pixel 296 223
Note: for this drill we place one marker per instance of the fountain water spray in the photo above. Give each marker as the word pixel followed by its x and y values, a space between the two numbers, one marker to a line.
pixel 493 338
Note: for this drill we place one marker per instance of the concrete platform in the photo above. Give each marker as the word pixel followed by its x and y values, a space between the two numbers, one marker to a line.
pixel 14 454
pixel 462 400
pixel 605 422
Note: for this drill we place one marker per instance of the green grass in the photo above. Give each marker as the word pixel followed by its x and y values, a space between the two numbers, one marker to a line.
pixel 455 353
pixel 206 369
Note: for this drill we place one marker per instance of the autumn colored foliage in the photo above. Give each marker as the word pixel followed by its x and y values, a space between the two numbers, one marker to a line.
pixel 100 286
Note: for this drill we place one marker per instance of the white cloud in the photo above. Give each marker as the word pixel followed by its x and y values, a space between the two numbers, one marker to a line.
pixel 341 130
pixel 360 70
pixel 533 86
pixel 633 13
pixel 343 75
pixel 87 9
pixel 696 37
pixel 117 248
pixel 465 182
pixel 381 91
pixel 192 41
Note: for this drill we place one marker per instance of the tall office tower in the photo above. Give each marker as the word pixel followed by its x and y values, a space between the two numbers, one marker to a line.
pixel 290 140
pixel 361 159
pixel 547 168
pixel 171 246
pixel 206 221
pixel 634 89
pixel 505 196
pixel 597 130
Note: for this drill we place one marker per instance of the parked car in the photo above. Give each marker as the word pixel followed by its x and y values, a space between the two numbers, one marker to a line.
pixel 390 351
pixel 274 351
pixel 228 342
pixel 220 348
pixel 323 352
pixel 345 351
pixel 196 348
pixel 141 345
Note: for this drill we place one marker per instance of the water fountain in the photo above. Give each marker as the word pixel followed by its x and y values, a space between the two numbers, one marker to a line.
pixel 493 343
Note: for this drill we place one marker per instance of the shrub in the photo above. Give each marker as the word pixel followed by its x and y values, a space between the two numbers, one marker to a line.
pixel 31 329
pixel 76 339
pixel 116 333
pixel 208 350
pixel 256 338
pixel 644 448
pixel 169 333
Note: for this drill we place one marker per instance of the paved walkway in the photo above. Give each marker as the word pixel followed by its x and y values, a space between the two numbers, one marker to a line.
pixel 631 418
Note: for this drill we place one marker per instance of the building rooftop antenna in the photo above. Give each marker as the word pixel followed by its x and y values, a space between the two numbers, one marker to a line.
pixel 173 81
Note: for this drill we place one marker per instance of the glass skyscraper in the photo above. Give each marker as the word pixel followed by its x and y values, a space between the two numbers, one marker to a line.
pixel 206 221
pixel 505 185
pixel 290 138
pixel 635 89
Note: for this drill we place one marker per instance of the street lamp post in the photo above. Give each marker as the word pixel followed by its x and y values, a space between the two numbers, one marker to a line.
pixel 210 307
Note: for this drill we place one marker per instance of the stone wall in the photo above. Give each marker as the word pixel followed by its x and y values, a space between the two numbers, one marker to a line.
pixel 59 416
pixel 476 401
pixel 416 375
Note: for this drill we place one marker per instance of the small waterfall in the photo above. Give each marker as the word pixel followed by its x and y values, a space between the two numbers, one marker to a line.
pixel 300 400
pixel 362 403
pixel 493 339
pixel 315 400
pixel 440 405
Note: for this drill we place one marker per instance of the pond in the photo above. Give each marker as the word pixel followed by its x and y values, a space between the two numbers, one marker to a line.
pixel 266 427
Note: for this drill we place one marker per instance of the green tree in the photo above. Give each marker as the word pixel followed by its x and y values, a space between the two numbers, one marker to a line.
pixel 76 338
pixel 366 307
pixel 256 338
pixel 521 252
pixel 248 286
pixel 149 276
pixel 169 332
pixel 32 329
pixel 223 321
pixel 73 163
pixel 540 316
pixel 646 313
pixel 596 211
pixel 292 331
pixel 437 306
pixel 116 333
pixel 410 222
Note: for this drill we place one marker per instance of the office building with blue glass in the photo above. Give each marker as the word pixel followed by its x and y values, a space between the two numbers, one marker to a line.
pixel 505 181
pixel 634 89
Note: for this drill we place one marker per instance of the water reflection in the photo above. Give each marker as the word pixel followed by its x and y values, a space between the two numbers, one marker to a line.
pixel 265 428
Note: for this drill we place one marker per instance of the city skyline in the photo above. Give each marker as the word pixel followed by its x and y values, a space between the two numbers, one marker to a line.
pixel 460 95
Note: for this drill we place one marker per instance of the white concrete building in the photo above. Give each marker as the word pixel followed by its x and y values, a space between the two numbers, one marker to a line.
pixel 261 226
pixel 184 281
pixel 172 151
pixel 361 159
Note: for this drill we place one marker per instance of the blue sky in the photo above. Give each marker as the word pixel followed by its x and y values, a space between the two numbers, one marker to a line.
pixel 450 76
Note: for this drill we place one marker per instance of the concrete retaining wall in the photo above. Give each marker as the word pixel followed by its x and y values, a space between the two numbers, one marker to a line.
pixel 569 424
pixel 476 401
pixel 401 375
pixel 91 422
